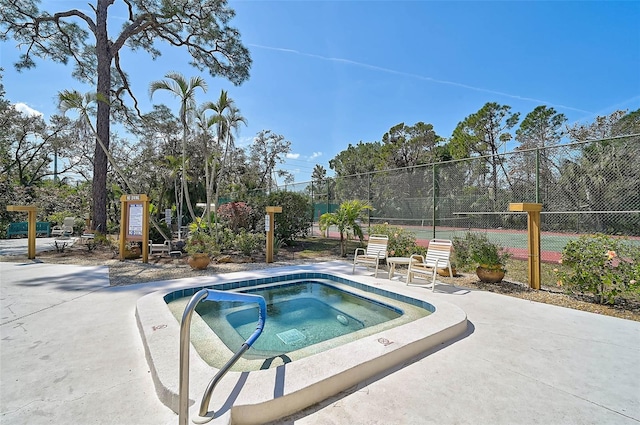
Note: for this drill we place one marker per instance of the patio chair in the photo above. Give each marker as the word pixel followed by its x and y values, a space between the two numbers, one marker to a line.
pixel 56 231
pixel 376 251
pixel 67 226
pixel 438 257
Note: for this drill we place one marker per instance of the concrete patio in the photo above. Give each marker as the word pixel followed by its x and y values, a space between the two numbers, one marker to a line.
pixel 71 353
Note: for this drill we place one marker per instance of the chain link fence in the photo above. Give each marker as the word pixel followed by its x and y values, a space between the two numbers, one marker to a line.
pixel 584 187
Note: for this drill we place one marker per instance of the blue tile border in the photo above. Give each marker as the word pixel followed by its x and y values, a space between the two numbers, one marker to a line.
pixel 180 293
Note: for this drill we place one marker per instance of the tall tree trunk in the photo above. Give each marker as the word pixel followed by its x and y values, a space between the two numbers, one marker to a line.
pixel 102 120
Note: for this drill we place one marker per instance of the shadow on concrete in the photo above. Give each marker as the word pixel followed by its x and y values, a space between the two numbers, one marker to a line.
pixel 75 279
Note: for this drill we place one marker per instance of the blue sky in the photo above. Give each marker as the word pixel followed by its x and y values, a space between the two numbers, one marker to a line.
pixel 326 74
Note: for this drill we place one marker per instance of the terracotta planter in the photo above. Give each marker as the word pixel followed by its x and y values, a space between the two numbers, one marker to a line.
pixel 490 275
pixel 198 261
pixel 445 272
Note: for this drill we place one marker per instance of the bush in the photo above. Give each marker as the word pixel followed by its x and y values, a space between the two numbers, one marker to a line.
pixel 475 249
pixel 201 242
pixel 295 220
pixel 247 242
pixel 235 215
pixel 226 239
pixel 600 265
pixel 402 243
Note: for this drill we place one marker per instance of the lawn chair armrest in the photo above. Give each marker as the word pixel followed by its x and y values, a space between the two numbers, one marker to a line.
pixel 418 257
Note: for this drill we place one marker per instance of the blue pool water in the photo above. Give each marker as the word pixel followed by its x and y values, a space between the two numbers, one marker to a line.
pixel 298 315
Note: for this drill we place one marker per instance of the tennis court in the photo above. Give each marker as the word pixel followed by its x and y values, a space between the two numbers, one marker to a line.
pixel 515 241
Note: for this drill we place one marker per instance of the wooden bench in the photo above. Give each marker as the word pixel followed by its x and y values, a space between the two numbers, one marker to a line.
pixel 22 227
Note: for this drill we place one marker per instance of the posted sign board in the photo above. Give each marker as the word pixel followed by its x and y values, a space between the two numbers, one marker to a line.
pixel 134 223
pixel 134 230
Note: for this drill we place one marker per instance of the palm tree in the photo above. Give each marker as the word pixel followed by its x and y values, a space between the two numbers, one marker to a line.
pixel 178 85
pixel 204 124
pixel 346 218
pixel 233 120
pixel 227 118
pixel 174 165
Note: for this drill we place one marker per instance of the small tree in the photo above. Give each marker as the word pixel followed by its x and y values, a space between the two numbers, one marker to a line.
pixel 346 219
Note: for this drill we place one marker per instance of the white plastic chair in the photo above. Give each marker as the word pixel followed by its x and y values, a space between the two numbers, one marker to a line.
pixel 67 226
pixel 376 251
pixel 438 257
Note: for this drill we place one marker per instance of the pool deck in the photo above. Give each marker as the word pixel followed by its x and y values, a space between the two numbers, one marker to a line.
pixel 70 352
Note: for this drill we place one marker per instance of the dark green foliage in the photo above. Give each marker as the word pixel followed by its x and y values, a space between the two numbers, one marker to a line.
pixel 155 235
pixel 295 220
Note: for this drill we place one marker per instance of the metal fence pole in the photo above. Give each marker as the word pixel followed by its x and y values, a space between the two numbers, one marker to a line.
pixel 537 176
pixel 433 187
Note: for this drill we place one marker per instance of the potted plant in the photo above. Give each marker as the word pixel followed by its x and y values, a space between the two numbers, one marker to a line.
pixel 489 258
pixel 200 246
pixel 132 250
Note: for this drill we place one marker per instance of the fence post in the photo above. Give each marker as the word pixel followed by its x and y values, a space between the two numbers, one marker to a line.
pixel 433 189
pixel 537 175
pixel 313 208
pixel 328 184
pixel 369 202
pixel 533 228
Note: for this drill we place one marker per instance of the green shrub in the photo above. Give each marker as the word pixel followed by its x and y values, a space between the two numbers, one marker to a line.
pixel 226 239
pixel 475 249
pixel 247 242
pixel 295 220
pixel 201 242
pixel 402 243
pixel 600 265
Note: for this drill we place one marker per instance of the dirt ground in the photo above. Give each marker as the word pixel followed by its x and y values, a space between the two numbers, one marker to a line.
pixel 163 267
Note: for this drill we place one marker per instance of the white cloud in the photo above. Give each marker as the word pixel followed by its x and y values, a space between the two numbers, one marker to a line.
pixel 293 155
pixel 315 155
pixel 25 109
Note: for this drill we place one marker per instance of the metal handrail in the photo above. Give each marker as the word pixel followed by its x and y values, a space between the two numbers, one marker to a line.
pixel 211 295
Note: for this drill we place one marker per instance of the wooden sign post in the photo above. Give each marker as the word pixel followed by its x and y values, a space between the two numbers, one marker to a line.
pixel 31 226
pixel 533 230
pixel 269 224
pixel 134 223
